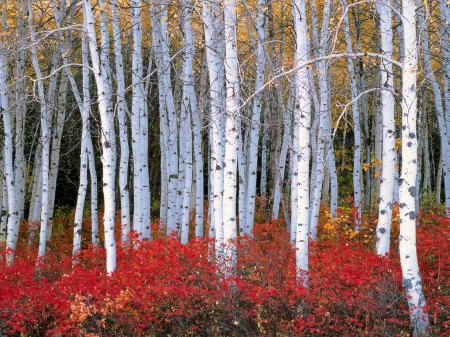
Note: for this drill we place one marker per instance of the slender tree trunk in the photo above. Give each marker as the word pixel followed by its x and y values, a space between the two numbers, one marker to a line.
pixel 45 136
pixel 232 132
pixel 108 140
pixel 189 109
pixel 445 46
pixel 20 162
pixel 57 131
pixel 212 24
pixel 287 138
pixel 439 179
pixel 85 149
pixel 302 126
pixel 13 220
pixel 324 132
pixel 263 182
pixel 256 120
pixel 438 106
pixel 139 125
pixel 412 282
pixel 357 168
pixel 123 125
pixel 168 118
pixel 386 202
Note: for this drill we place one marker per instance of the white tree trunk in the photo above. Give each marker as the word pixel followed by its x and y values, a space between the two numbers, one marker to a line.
pixel 122 121
pixel 287 137
pixel 445 45
pixel 94 190
pixel 324 132
pixel 139 124
pixel 302 126
pixel 386 203
pixel 263 182
pixel 189 109
pixel 84 107
pixel 212 23
pixel 253 142
pixel 232 132
pixel 45 136
pixel 84 156
pixel 357 168
pixel 13 219
pixel 4 205
pixel 168 119
pixel 199 180
pixel 407 240
pixel 20 163
pixel 57 130
pixel 36 195
pixel 107 138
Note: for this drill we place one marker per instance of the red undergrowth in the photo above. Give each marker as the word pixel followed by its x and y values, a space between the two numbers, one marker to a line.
pixel 164 288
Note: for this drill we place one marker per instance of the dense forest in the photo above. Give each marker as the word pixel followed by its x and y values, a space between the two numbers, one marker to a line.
pixel 245 137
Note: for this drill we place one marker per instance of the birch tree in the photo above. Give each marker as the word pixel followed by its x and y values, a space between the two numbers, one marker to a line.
pixel 357 168
pixel 9 191
pixel 386 195
pixel 232 132
pixel 250 195
pixel 192 131
pixel 139 125
pixel 213 34
pixel 45 132
pixel 107 137
pixel 168 118
pixel 20 111
pixel 324 131
pixel 121 109
pixel 302 125
pixel 412 282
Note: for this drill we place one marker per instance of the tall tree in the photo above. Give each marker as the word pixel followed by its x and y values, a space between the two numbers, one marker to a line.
pixel 412 281
pixel 108 136
pixel 232 132
pixel 324 132
pixel 213 26
pixel 357 167
pixel 302 126
pixel 250 188
pixel 121 108
pixel 386 202
pixel 139 127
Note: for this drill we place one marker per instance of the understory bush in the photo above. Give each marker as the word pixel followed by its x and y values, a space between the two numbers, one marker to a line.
pixel 164 288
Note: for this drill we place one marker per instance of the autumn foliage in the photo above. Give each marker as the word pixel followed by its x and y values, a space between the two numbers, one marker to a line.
pixel 164 288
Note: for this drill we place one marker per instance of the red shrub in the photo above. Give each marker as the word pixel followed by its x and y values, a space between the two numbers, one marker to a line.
pixel 163 287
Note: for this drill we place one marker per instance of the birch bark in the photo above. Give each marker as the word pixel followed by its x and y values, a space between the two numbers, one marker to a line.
pixel 9 196
pixel 139 124
pixel 107 138
pixel 45 134
pixel 324 131
pixel 168 118
pixel 253 142
pixel 212 25
pixel 387 181
pixel 232 132
pixel 412 282
pixel 357 168
pixel 189 111
pixel 302 125
pixel 122 121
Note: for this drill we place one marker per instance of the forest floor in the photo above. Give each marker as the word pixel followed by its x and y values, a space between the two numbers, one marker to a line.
pixel 163 288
